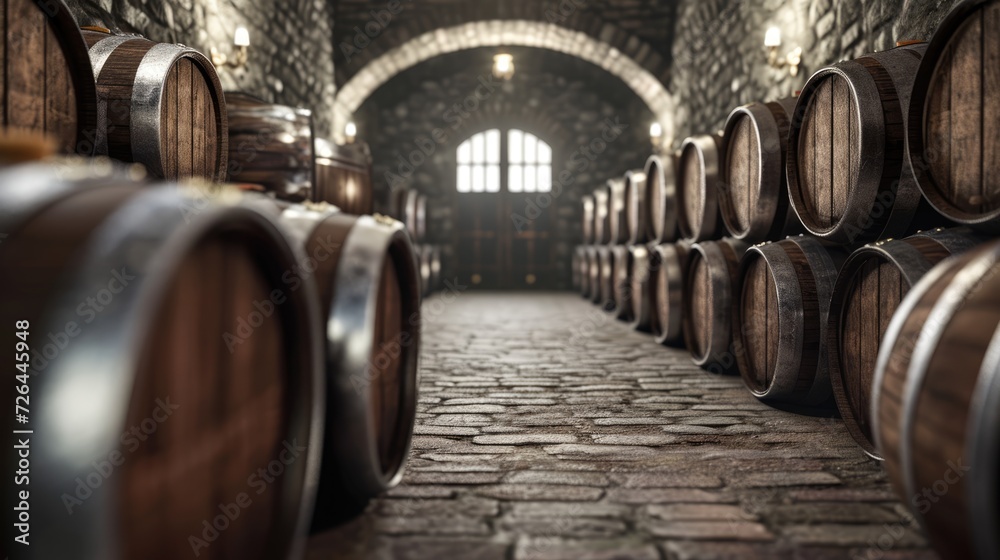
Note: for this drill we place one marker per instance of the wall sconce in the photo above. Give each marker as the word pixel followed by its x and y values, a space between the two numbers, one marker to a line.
pixel 656 135
pixel 238 58
pixel 503 66
pixel 792 60
pixel 350 132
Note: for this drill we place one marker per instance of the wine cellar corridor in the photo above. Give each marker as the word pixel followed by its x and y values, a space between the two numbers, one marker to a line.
pixel 548 430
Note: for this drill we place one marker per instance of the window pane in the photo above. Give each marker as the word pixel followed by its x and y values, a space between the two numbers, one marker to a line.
pixel 530 178
pixel 544 178
pixel 515 146
pixel 464 178
pixel 493 178
pixel 530 145
pixel 479 148
pixel 478 178
pixel 514 178
pixel 493 146
pixel 465 152
pixel 544 153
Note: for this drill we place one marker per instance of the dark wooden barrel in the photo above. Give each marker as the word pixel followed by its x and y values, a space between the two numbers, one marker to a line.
pixel 594 275
pixel 186 326
pixel 344 179
pixel 635 207
pixel 588 219
pixel 709 303
pixel 369 291
pixel 849 179
pixel 48 84
pixel 781 319
pixel 606 284
pixel 160 105
pixel 699 177
pixel 954 151
pixel 621 268
pixel 617 225
pixel 642 279
pixel 936 400
pixel 270 145
pixel 602 223
pixel 754 196
pixel 661 198
pixel 669 261
pixel 577 267
pixel 871 284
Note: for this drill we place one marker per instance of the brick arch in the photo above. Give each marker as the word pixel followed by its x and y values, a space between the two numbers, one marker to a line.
pixel 497 33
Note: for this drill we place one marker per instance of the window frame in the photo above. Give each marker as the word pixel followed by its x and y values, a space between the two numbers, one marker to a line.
pixel 484 163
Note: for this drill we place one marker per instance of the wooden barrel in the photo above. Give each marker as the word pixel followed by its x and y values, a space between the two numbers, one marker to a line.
pixel 606 286
pixel 588 219
pixel 642 279
pixel 849 179
pixel 343 179
pixel 709 303
pixel 48 83
pixel 699 178
pixel 369 291
pixel 189 333
pixel 669 261
pixel 160 105
pixel 871 284
pixel 661 198
pixel 621 267
pixel 594 275
pixel 936 400
pixel 954 155
pixel 635 207
pixel 577 266
pixel 781 319
pixel 271 145
pixel 602 223
pixel 618 228
pixel 754 198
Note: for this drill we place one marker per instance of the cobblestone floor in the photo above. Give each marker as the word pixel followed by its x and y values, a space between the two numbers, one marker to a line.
pixel 549 431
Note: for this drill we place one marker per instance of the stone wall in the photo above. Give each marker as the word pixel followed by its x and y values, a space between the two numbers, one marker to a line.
pixel 291 53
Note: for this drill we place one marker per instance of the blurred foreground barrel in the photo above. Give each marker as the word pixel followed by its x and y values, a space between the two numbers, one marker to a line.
pixel 781 319
pixel 849 178
pixel 661 198
pixel 754 197
pixel 160 105
pixel 343 179
pixel 621 268
pixel 699 177
pixel 669 262
pixel 936 401
pixel 369 291
pixel 954 145
pixel 191 327
pixel 710 300
pixel 617 225
pixel 635 207
pixel 871 284
pixel 270 145
pixel 48 83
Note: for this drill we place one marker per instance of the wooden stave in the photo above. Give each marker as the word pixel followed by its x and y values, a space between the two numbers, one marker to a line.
pixel 620 270
pixel 912 265
pixel 671 262
pixel 588 219
pixel 661 198
pixel 920 156
pixel 822 264
pixel 707 148
pixel 723 257
pixel 602 220
pixel 145 142
pixel 774 216
pixel 351 471
pixel 74 49
pixel 641 276
pixel 144 231
pixel 890 176
pixel 636 213
pixel 617 226
pixel 290 172
pixel 923 324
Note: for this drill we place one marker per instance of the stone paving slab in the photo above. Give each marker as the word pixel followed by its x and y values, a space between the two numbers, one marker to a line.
pixel 547 430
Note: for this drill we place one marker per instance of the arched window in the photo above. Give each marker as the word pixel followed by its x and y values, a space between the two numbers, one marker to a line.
pixel 490 158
